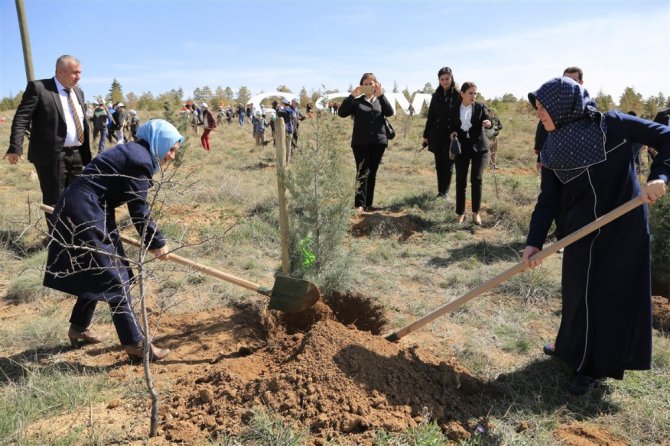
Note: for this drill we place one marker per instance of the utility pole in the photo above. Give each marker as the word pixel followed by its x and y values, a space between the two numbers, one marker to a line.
pixel 25 40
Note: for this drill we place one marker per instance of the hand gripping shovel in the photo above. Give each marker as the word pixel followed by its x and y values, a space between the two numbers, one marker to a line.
pixel 500 278
pixel 288 294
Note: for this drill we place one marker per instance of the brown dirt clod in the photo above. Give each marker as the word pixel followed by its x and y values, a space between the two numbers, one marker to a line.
pixel 583 434
pixel 334 378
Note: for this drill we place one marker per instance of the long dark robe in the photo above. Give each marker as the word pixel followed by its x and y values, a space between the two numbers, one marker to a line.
pixel 84 218
pixel 606 321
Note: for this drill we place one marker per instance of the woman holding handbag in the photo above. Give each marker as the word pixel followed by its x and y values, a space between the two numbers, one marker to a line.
pixel 441 123
pixel 474 150
pixel 369 108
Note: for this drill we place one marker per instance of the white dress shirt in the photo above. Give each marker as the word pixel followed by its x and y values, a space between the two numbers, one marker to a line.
pixel 466 117
pixel 71 139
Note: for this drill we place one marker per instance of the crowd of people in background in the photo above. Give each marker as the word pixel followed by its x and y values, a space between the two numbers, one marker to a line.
pixel 195 116
pixel 111 123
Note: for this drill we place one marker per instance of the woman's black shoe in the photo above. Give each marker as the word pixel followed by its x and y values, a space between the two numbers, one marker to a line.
pixel 582 384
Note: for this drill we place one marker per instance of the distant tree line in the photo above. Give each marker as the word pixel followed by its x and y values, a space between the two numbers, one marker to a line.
pixel 629 100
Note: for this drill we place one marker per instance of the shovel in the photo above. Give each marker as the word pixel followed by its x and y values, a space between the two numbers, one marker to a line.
pixel 288 294
pixel 519 267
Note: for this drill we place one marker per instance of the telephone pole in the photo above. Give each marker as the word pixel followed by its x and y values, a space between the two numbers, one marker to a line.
pixel 25 40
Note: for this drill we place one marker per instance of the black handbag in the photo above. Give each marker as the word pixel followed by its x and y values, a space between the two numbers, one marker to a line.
pixel 390 131
pixel 454 148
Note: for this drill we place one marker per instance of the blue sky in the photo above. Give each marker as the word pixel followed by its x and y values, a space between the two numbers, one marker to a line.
pixel 509 46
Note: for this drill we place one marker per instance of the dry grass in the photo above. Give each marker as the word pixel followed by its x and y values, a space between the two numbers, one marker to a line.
pixel 228 217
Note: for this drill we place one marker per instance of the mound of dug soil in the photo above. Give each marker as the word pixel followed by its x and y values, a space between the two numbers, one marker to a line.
pixel 336 380
pixel 661 313
pixel 388 224
pixel 583 434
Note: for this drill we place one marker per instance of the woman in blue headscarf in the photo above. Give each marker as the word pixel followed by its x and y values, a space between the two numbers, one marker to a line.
pixel 86 257
pixel 606 278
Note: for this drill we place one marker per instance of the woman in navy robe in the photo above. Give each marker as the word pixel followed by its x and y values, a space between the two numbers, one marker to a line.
pixel 606 278
pixel 86 257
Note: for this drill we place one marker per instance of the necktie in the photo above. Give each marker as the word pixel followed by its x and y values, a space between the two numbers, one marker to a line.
pixel 80 130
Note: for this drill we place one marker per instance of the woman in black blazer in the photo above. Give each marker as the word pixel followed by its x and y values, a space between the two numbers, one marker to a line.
pixel 442 122
pixel 474 148
pixel 369 107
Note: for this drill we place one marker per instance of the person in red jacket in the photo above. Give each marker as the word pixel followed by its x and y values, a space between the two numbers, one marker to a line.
pixel 209 123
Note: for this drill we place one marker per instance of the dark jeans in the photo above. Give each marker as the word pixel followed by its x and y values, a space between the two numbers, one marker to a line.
pixel 103 138
pixel 294 139
pixel 479 162
pixel 445 169
pixel 127 327
pixel 367 159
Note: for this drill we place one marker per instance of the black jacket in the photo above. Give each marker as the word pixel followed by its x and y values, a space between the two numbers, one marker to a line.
pixel 475 136
pixel 42 113
pixel 368 119
pixel 442 118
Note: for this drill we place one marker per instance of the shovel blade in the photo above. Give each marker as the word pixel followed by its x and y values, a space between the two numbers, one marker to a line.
pixel 292 295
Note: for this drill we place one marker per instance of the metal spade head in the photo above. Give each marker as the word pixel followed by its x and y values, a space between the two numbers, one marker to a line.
pixel 292 295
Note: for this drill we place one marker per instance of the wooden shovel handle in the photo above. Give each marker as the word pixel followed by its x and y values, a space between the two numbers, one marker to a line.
pixel 516 269
pixel 281 194
pixel 195 265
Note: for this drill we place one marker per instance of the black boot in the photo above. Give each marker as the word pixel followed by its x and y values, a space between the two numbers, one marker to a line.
pixel 582 384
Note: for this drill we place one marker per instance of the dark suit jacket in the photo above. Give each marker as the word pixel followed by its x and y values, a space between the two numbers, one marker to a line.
pixel 368 119
pixel 479 141
pixel 42 113
pixel 442 119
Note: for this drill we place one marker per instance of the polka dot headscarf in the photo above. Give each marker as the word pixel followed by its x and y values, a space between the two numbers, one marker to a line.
pixel 579 139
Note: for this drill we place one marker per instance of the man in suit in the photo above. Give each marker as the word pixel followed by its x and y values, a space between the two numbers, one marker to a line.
pixel 52 111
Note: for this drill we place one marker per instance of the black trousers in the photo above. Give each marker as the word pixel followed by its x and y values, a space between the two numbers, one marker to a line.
pixel 367 158
pixel 479 161
pixel 125 321
pixel 445 170
pixel 54 178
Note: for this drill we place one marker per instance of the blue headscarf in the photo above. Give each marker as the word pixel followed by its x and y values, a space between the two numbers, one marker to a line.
pixel 579 139
pixel 161 136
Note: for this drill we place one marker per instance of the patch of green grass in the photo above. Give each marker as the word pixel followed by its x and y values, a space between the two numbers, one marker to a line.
pixel 45 392
pixel 44 330
pixel 660 358
pixel 26 286
pixel 425 434
pixel 253 230
pixel 533 285
pixel 512 338
pixel 268 429
pixel 470 263
pixel 424 201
